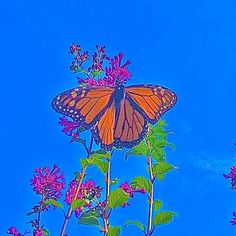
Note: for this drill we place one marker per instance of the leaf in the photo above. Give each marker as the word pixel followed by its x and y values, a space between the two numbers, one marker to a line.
pixel 137 223
pixel 89 218
pixel 117 198
pixel 102 165
pixel 77 203
pixel 114 231
pixel 45 232
pixel 84 162
pixel 158 156
pixel 163 218
pixel 100 154
pixel 140 150
pixel 172 146
pixel 157 205
pixel 141 182
pixel 53 202
pixel 159 131
pixel 160 169
pixel 114 181
pixel 161 123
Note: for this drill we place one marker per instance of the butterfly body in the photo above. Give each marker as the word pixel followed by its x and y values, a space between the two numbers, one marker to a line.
pixel 118 116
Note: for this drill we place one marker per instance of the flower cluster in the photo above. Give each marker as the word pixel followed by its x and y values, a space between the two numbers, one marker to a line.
pixel 13 231
pixel 104 71
pixel 48 183
pixel 70 128
pixel 232 176
pixel 88 191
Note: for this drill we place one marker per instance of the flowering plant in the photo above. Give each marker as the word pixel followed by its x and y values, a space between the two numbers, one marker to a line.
pixel 94 204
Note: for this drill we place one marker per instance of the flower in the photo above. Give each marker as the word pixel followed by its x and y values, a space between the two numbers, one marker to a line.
pixel 233 221
pixel 88 191
pixel 74 49
pixel 70 127
pixel 129 190
pixel 13 231
pixel 48 183
pixel 232 176
pixel 38 232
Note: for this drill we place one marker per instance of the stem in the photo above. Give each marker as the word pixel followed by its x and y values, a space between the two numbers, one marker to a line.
pixel 150 195
pixel 108 184
pixel 82 175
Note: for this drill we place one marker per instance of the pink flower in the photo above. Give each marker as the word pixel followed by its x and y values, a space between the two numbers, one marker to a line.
pixel 38 232
pixel 233 221
pixel 232 176
pixel 88 191
pixel 128 189
pixel 74 49
pixel 48 183
pixel 70 128
pixel 13 231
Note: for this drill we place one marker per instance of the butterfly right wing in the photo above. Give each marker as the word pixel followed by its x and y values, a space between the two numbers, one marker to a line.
pixel 84 105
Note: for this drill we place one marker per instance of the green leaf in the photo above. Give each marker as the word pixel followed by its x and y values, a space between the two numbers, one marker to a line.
pixel 141 182
pixel 172 146
pixel 163 218
pixel 157 205
pixel 77 203
pixel 45 232
pixel 137 223
pixel 114 181
pixel 159 156
pixel 114 231
pixel 84 162
pixel 140 150
pixel 159 131
pixel 160 169
pixel 161 123
pixel 89 218
pixel 100 154
pixel 102 165
pixel 53 202
pixel 117 198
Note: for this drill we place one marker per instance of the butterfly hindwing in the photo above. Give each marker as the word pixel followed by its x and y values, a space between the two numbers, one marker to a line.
pixel 151 100
pixel 84 105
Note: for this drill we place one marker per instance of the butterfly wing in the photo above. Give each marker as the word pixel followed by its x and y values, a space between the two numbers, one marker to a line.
pixel 151 100
pixel 85 105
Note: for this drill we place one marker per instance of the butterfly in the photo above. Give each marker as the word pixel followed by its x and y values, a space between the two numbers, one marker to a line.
pixel 118 116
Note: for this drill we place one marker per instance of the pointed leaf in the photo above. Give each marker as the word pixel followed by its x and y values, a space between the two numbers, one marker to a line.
pixel 163 218
pixel 78 203
pixel 157 205
pixel 137 223
pixel 160 169
pixel 114 231
pixel 141 182
pixel 89 218
pixel 53 202
pixel 45 232
pixel 117 198
pixel 102 165
pixel 140 150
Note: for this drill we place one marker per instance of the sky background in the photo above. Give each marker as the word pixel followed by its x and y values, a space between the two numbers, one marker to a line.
pixel 187 46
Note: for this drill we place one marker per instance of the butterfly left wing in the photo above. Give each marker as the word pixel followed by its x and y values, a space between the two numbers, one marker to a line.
pixel 84 105
pixel 151 100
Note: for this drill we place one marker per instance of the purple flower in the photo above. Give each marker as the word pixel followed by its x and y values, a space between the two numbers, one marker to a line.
pixel 13 231
pixel 70 128
pixel 88 191
pixel 128 189
pixel 48 183
pixel 38 232
pixel 74 49
pixel 232 176
pixel 233 221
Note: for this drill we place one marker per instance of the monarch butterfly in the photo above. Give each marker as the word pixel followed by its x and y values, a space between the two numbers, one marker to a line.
pixel 118 116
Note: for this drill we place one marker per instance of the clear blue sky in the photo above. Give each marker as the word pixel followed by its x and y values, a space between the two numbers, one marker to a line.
pixel 188 46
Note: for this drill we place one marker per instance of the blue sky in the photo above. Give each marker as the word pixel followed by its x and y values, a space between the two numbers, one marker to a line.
pixel 188 46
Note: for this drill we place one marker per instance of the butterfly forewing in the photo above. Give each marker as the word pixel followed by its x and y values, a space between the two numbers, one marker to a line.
pixel 84 105
pixel 152 101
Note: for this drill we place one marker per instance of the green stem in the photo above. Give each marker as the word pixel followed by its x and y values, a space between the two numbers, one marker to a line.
pixel 82 175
